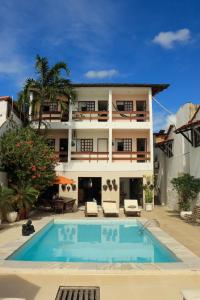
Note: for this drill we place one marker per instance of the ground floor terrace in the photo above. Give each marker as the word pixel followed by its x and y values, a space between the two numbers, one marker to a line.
pixel 138 284
pixel 105 186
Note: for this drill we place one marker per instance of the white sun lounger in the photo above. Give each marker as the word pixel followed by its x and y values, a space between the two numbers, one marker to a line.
pixel 110 208
pixel 91 209
pixel 131 207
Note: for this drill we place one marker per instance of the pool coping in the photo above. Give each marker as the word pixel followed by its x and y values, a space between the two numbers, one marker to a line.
pixel 189 261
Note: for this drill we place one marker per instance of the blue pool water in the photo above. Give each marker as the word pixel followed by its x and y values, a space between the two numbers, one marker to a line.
pixel 91 241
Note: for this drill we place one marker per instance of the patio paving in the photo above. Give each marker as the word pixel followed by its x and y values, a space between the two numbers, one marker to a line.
pixel 151 284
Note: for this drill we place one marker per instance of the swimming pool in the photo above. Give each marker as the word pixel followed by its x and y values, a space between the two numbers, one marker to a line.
pixel 102 241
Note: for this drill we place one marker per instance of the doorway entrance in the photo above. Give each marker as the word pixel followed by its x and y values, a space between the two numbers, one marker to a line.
pixel 63 152
pixel 89 188
pixel 102 145
pixel 103 106
pixel 131 188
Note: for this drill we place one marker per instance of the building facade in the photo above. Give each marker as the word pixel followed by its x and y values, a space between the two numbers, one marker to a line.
pixel 105 141
pixel 177 151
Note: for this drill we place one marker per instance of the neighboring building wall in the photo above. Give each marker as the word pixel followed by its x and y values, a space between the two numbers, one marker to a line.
pixel 185 159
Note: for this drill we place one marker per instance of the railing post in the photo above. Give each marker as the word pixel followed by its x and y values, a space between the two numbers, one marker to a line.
pixel 110 105
pixel 69 144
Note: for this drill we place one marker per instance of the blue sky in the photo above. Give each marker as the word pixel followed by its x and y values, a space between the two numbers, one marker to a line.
pixel 138 41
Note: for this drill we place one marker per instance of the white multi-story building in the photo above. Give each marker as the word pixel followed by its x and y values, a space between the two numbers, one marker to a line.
pixel 105 142
pixel 178 152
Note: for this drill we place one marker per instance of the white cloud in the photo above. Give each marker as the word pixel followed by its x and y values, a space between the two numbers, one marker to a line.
pixel 162 120
pixel 169 38
pixel 170 120
pixel 101 74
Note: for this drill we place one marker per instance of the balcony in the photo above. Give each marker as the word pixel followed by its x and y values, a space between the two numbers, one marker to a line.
pixel 100 116
pixel 62 156
pixel 90 156
pixel 138 116
pixel 52 116
pixel 139 156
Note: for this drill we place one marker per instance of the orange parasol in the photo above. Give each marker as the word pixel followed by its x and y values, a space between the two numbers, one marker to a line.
pixel 63 180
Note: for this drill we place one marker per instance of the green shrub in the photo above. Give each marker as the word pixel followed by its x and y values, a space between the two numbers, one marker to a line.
pixel 188 188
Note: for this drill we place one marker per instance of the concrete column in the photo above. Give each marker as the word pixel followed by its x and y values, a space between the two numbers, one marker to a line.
pixel 69 144
pixel 110 105
pixel 151 128
pixel 70 112
pixel 151 133
pixel 110 145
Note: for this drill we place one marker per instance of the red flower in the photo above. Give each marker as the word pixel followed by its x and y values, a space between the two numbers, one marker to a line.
pixel 33 168
pixel 18 145
pixel 33 177
pixel 38 175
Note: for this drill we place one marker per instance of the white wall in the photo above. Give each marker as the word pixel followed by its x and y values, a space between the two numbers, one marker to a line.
pixel 185 159
pixel 3 112
pixel 106 195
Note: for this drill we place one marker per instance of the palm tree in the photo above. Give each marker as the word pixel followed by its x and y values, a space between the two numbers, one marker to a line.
pixel 49 85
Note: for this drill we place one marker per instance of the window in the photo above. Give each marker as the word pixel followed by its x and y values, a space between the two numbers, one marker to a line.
pixel 86 145
pixel 141 147
pixel 51 143
pixel 125 105
pixel 196 136
pixel 86 106
pixel 124 145
pixel 141 106
pixel 169 152
pixel 50 107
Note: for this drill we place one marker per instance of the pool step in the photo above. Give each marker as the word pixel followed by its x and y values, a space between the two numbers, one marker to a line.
pixel 78 293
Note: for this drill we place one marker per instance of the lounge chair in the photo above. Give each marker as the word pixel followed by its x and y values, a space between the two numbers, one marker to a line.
pixel 91 209
pixel 131 207
pixel 110 208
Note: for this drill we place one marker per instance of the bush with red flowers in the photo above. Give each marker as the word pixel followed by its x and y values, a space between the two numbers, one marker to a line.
pixel 27 159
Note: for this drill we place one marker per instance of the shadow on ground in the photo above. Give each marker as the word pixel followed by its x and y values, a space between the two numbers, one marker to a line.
pixel 12 286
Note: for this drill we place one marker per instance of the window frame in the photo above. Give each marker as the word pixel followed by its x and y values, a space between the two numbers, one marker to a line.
pixel 86 145
pixel 126 142
pixel 90 105
pixel 196 137
pixel 53 146
pixel 128 103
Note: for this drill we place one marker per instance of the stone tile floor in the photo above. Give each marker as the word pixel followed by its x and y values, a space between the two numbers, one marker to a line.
pixel 153 284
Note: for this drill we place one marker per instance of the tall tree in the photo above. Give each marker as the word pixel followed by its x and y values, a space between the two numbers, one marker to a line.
pixel 49 85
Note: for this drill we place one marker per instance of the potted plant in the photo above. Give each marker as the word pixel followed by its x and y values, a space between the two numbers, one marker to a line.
pixel 187 188
pixel 24 199
pixel 6 198
pixel 148 194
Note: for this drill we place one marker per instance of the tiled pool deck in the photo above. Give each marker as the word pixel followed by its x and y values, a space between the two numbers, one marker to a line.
pixel 189 261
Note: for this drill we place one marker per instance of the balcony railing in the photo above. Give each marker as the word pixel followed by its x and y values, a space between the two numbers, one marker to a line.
pixel 90 156
pixel 52 116
pixel 139 116
pixel 62 156
pixel 90 115
pixel 139 156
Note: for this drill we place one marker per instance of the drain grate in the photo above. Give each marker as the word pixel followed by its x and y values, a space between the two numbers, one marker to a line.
pixel 78 293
